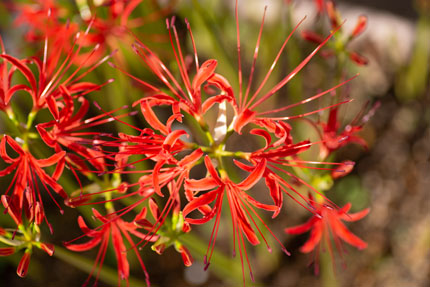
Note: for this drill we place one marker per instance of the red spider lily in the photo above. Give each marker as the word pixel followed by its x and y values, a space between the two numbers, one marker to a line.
pixel 44 18
pixel 113 226
pixel 65 131
pixel 187 96
pixel 44 87
pixel 114 29
pixel 246 104
pixel 26 192
pixel 326 225
pixel 240 203
pixel 334 17
pixel 334 137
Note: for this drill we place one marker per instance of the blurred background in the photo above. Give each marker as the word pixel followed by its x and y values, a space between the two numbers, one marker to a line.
pixel 392 177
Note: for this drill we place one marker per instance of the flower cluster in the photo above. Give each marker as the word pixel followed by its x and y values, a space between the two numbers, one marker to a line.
pixel 179 163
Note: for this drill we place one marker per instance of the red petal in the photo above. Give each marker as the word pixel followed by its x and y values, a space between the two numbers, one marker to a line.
pixel 212 170
pixel 264 134
pixel 342 170
pixel 24 69
pixel 52 106
pixel 254 177
pixel 355 216
pixel 84 246
pixel 221 83
pixel 314 238
pixel 120 253
pixel 141 215
pixel 191 159
pixel 206 70
pixel 153 207
pixel 299 229
pixel 152 119
pixel 201 184
pixel 243 119
pixel 172 137
pixel 46 136
pixel 51 160
pixel 201 201
pixel 247 229
pixel 212 100
pixel 340 230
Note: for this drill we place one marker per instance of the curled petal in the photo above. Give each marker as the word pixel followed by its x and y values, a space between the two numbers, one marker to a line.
pixel 55 158
pixel 172 138
pixel 152 119
pixel 302 228
pixel 202 200
pixel 254 177
pixel 206 71
pixel 191 159
pixel 355 216
pixel 221 83
pixel 243 119
pixel 84 246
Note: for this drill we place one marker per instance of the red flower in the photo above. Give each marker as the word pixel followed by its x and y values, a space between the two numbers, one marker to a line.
pixel 327 225
pixel 246 104
pixel 26 193
pixel 334 137
pixel 334 17
pixel 44 86
pixel 188 99
pixel 65 133
pixel 114 29
pixel 43 19
pixel 113 226
pixel 6 88
pixel 241 206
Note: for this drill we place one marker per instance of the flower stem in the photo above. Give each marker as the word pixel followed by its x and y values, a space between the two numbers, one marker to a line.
pixel 107 274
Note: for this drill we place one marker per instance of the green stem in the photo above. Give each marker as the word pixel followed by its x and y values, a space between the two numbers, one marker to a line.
pixel 221 265
pixel 107 274
pixel 328 278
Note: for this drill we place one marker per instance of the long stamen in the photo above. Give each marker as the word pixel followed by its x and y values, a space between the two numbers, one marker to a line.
pixel 272 67
pixel 257 46
pixel 294 72
pixel 196 58
pixel 239 61
pixel 310 99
